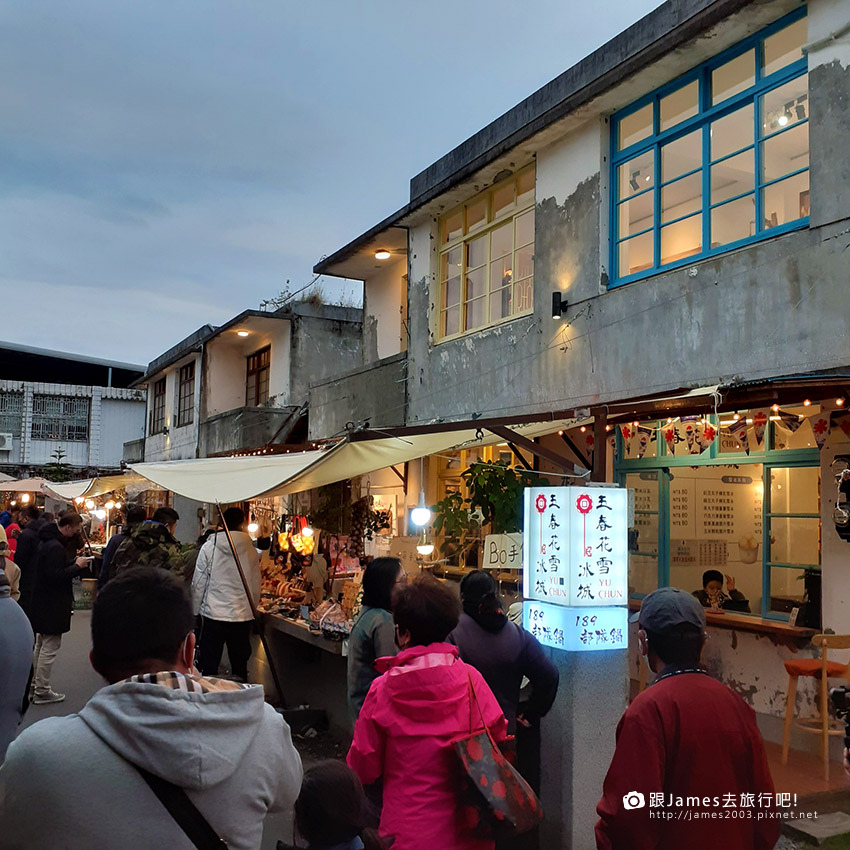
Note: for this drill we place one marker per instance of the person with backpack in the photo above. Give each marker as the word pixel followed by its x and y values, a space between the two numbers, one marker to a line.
pixel 158 754
pixel 150 544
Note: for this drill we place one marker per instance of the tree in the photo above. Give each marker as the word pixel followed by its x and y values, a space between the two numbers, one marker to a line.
pixel 57 470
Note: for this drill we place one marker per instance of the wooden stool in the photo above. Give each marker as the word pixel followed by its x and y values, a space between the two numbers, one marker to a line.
pixel 822 669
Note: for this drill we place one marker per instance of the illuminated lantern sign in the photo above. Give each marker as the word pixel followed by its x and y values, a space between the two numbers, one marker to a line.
pixel 575 548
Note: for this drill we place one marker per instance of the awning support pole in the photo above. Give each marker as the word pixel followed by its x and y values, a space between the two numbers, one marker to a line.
pixel 253 605
pixel 510 436
pixel 576 451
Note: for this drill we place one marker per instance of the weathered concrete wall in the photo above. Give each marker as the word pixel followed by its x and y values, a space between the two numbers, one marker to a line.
pixel 382 320
pixel 244 428
pixel 322 347
pixel 179 443
pixel 375 392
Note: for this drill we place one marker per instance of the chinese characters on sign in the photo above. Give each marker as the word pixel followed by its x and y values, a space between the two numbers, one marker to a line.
pixel 577 629
pixel 576 547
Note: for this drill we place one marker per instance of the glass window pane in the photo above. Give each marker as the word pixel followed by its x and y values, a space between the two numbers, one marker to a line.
pixel 795 490
pixel 679 106
pixel 681 197
pixel 794 540
pixel 501 273
pixel 733 176
pixel 525 228
pixel 732 133
pixel 681 156
pixel 476 215
pixel 502 240
pixel 787 589
pixel 451 292
pixel 682 239
pixel 451 321
pixel 733 221
pixel 503 198
pixel 476 283
pixel 525 188
pixel 636 254
pixel 785 106
pixel 792 429
pixel 476 252
pixel 643 537
pixel 785 152
pixel 450 263
pixel 524 259
pixel 475 314
pixel 735 76
pixel 785 47
pixel 735 439
pixel 632 128
pixel 453 226
pixel 637 174
pixel 523 295
pixel 500 304
pixel 636 214
pixel 787 200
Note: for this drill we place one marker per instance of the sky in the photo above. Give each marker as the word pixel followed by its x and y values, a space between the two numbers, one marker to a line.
pixel 165 165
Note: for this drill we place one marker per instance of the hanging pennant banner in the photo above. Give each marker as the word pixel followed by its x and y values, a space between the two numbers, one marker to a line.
pixel 739 431
pixel 644 435
pixel 670 436
pixel 820 427
pixel 761 417
pixel 626 433
pixel 706 436
pixel 691 433
pixel 789 421
pixel 842 420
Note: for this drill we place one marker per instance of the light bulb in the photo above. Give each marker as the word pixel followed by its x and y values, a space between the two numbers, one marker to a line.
pixel 425 549
pixel 25 497
pixel 253 528
pixel 582 429
pixel 100 513
pixel 307 531
pixel 109 505
pixel 421 514
pixel 79 500
pixel 839 402
pixel 118 505
pixel 782 120
pixel 89 504
pixel 807 403
pixel 775 408
pixel 736 417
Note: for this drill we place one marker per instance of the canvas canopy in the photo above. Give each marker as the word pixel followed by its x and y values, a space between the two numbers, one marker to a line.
pixel 90 487
pixel 237 479
pixel 23 485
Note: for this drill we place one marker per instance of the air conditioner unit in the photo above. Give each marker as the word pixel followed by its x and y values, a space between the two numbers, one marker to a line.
pixel 5 442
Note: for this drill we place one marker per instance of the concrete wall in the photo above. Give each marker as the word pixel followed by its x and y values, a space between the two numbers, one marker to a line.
pixel 180 443
pixel 770 309
pixel 244 428
pixel 375 392
pixel 384 309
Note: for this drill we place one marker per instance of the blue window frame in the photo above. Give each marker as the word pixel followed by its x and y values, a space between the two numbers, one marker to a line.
pixel 717 159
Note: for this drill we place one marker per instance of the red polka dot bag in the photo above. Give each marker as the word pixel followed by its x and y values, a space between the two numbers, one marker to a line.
pixel 498 799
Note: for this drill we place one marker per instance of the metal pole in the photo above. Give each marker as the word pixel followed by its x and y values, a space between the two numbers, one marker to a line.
pixel 253 606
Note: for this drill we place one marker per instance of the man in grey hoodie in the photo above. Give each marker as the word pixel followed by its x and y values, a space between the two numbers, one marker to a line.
pixel 73 782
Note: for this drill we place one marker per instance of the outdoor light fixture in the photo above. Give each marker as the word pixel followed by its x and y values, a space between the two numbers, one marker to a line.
pixel 633 182
pixel 89 504
pixel 25 497
pixel 382 254
pixel 559 305
pixel 242 333
pixel 100 514
pixel 807 403
pixel 253 528
pixel 109 505
pixel 118 505
pixel 307 531
pixel 839 402
pixel 421 514
pixel 79 500
pixel 775 408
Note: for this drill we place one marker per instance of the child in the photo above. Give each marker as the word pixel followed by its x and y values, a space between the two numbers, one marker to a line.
pixel 331 811
pixel 11 569
pixel 712 595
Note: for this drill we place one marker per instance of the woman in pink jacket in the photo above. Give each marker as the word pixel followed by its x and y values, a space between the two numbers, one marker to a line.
pixel 411 716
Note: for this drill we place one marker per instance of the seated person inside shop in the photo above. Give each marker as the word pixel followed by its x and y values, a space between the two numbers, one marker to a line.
pixel 712 595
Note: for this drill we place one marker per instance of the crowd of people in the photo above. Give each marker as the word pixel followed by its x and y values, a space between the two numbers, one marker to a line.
pixel 192 758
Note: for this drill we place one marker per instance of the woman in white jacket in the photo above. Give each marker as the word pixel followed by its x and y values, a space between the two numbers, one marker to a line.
pixel 220 599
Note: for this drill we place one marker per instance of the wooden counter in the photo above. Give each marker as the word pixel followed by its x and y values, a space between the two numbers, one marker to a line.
pixel 301 631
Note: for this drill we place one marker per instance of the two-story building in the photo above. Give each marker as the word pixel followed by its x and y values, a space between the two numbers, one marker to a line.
pixel 65 408
pixel 243 387
pixel 655 245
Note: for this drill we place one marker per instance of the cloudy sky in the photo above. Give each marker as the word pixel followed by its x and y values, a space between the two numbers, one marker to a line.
pixel 168 164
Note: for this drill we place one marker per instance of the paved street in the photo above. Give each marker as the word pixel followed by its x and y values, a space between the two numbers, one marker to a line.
pixel 74 677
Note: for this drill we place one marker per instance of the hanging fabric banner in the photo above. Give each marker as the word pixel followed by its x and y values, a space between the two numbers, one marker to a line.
pixel 820 427
pixel 789 421
pixel 671 437
pixel 706 436
pixel 691 425
pixel 627 433
pixel 761 417
pixel 739 431
pixel 644 434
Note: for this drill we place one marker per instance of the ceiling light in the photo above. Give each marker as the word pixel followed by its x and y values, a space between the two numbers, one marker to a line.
pixel 782 120
pixel 242 333
pixel 382 254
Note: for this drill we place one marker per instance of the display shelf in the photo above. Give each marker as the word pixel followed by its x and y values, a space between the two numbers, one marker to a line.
pixel 301 631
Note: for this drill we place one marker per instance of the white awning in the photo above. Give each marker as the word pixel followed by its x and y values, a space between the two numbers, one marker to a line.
pixel 23 485
pixel 238 479
pixel 91 487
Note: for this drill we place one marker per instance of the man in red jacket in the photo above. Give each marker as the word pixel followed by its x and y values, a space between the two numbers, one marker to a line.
pixel 689 770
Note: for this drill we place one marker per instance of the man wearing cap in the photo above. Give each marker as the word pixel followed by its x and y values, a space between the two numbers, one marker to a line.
pixel 686 736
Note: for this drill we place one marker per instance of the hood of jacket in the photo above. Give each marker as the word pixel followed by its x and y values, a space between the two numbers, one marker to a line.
pixel 427 685
pixel 50 531
pixel 34 526
pixel 193 740
pixel 149 535
pixel 241 539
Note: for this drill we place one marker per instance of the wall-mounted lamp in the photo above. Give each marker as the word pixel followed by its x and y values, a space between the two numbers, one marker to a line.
pixel 382 254
pixel 559 306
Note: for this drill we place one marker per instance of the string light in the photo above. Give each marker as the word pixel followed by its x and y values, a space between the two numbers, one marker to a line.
pixel 807 402
pixel 839 402
pixel 775 408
